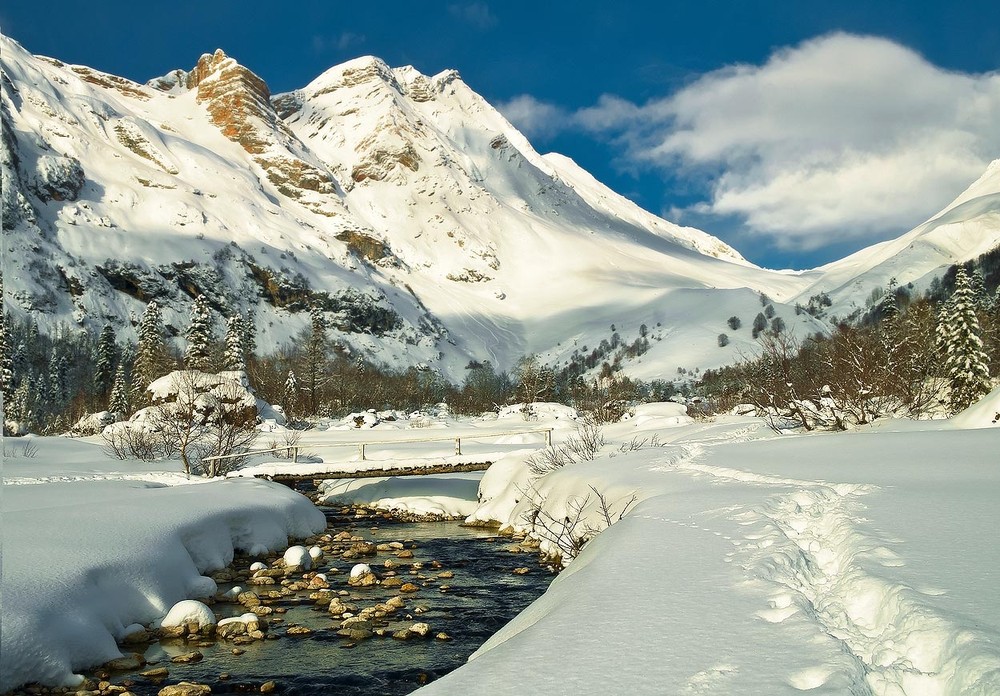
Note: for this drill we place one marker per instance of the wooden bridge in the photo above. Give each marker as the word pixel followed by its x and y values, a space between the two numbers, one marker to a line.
pixel 295 470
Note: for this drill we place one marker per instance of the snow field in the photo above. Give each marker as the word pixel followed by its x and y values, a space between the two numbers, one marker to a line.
pixel 832 564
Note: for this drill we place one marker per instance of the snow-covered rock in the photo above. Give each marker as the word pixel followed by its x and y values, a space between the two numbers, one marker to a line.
pixel 297 557
pixel 188 611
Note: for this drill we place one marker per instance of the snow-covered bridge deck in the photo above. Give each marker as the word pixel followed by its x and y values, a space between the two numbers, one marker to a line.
pixel 399 457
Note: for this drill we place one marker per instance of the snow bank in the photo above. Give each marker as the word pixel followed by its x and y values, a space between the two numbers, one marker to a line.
pixel 542 413
pixel 118 553
pixel 666 414
pixel 444 495
pixel 985 413
pixel 834 563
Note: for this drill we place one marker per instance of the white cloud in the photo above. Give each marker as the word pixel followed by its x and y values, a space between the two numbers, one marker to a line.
pixel 843 137
pixel 345 41
pixel 477 14
pixel 535 118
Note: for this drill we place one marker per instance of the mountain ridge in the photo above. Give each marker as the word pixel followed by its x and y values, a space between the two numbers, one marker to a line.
pixel 410 209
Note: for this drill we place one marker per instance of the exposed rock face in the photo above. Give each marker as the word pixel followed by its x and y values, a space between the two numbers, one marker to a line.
pixel 58 178
pixel 239 104
pixel 238 101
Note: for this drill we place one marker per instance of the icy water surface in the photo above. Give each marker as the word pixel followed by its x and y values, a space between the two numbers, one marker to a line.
pixel 483 595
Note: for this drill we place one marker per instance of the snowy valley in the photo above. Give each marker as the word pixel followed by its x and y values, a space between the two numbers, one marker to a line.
pixel 252 342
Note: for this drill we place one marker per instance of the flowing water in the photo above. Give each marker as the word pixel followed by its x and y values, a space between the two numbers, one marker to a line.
pixel 483 595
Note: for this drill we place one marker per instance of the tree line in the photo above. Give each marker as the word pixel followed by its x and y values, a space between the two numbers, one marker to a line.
pixel 52 380
pixel 907 358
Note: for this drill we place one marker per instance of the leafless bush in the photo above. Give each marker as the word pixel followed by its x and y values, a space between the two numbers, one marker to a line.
pixel 636 444
pixel 581 447
pixel 289 440
pixel 569 533
pixel 133 442
pixel 24 450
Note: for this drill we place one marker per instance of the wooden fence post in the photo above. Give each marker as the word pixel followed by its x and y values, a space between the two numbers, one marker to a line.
pixel 295 455
pixel 361 450
pixel 458 446
pixel 548 437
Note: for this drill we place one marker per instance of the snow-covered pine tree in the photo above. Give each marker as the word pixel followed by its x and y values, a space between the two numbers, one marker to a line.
pixel 119 402
pixel 104 364
pixel 316 349
pixel 151 352
pixel 234 357
pixel 249 335
pixel 6 359
pixel 58 380
pixel 978 283
pixel 959 338
pixel 290 397
pixel 200 336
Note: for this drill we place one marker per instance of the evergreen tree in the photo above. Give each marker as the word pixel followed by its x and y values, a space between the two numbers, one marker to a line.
pixel 249 335
pixel 887 308
pixel 316 349
pixel 119 402
pixel 104 364
pixel 6 360
pixel 58 381
pixel 290 396
pixel 200 336
pixel 151 353
pixel 959 338
pixel 982 298
pixel 234 358
pixel 759 324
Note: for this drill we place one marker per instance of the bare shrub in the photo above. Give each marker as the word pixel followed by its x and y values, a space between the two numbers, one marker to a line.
pixel 25 450
pixel 636 444
pixel 583 446
pixel 128 441
pixel 569 533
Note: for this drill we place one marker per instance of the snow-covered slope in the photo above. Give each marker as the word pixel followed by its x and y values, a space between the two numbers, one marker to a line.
pixel 422 220
pixel 968 227
pixel 427 225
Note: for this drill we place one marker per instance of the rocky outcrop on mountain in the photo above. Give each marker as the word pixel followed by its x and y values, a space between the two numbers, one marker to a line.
pixel 238 101
pixel 239 104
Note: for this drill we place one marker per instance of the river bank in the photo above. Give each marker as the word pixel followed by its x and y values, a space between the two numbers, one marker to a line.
pixel 433 593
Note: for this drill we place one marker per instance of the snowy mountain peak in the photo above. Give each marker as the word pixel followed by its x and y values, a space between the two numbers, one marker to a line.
pixel 408 207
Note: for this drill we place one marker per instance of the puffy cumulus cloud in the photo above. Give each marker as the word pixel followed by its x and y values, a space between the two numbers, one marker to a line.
pixel 535 118
pixel 842 137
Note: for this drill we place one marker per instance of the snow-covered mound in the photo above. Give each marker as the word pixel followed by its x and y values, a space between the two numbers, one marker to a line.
pixel 84 561
pixel 985 413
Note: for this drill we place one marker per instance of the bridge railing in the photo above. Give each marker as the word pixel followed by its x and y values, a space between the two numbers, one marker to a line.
pixel 293 450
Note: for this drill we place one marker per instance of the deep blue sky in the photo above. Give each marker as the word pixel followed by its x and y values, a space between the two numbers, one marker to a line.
pixel 564 53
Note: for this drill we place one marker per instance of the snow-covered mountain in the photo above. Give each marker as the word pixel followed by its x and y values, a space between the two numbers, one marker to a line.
pixel 965 229
pixel 424 222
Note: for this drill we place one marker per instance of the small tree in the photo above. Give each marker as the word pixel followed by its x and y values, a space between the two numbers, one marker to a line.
pixel 119 401
pixel 966 365
pixel 234 357
pixel 151 353
pixel 723 340
pixel 200 336
pixel 290 397
pixel 759 324
pixel 104 364
pixel 734 323
pixel 317 345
